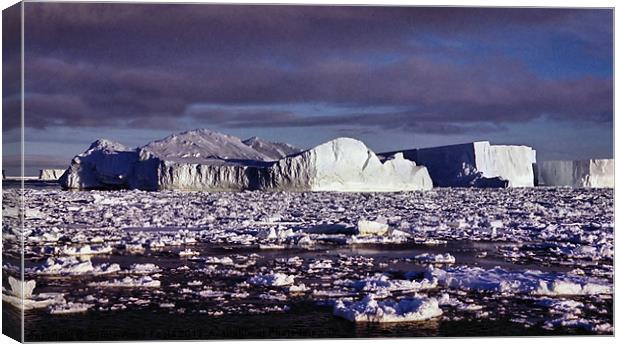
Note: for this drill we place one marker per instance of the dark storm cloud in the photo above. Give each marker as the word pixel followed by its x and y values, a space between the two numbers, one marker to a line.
pixel 149 65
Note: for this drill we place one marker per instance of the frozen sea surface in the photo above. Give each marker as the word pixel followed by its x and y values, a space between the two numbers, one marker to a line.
pixel 197 265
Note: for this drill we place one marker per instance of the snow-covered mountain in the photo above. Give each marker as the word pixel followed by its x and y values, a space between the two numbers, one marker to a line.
pixel 196 146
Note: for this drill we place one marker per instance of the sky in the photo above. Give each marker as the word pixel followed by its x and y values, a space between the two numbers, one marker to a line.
pixel 393 77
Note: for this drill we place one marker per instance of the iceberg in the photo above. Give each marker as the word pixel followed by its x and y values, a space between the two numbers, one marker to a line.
pixel 477 164
pixel 50 174
pixel 345 164
pixel 596 173
pixel 203 160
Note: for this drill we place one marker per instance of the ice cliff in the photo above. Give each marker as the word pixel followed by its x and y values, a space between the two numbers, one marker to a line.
pixel 577 173
pixel 477 164
pixel 207 160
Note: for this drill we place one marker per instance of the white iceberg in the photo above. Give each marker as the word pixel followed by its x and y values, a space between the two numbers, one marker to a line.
pixel 206 160
pixel 50 174
pixel 478 164
pixel 597 173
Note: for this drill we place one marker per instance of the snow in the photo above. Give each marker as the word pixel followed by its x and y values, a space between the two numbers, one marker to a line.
pixel 370 310
pixel 577 173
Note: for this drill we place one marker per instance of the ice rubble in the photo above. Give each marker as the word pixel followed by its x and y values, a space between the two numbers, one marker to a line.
pixel 531 282
pixel 552 228
pixel 74 266
pixel 50 174
pixel 477 164
pixel 577 173
pixel 370 310
pixel 206 160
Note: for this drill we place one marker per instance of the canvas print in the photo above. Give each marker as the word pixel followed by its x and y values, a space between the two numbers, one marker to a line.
pixel 219 171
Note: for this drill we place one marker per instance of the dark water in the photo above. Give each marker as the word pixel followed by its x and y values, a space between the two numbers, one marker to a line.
pixel 304 320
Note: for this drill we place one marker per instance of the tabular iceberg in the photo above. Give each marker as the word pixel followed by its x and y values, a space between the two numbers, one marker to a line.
pixel 206 160
pixel 477 164
pixel 577 173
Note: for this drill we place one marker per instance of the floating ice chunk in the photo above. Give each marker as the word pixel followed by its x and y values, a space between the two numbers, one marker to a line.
pixel 128 282
pixel 86 250
pixel 298 288
pixel 370 310
pixel 106 268
pixel 22 289
pixel 222 261
pixel 273 279
pixel 21 295
pixel 572 287
pixel 321 264
pixel 70 308
pixel 188 252
pixel 65 266
pixel 436 258
pixel 371 228
pixel 144 269
pixel 208 293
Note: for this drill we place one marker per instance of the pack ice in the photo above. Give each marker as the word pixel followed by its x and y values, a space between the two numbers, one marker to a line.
pixel 207 160
pixel 577 173
pixel 477 164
